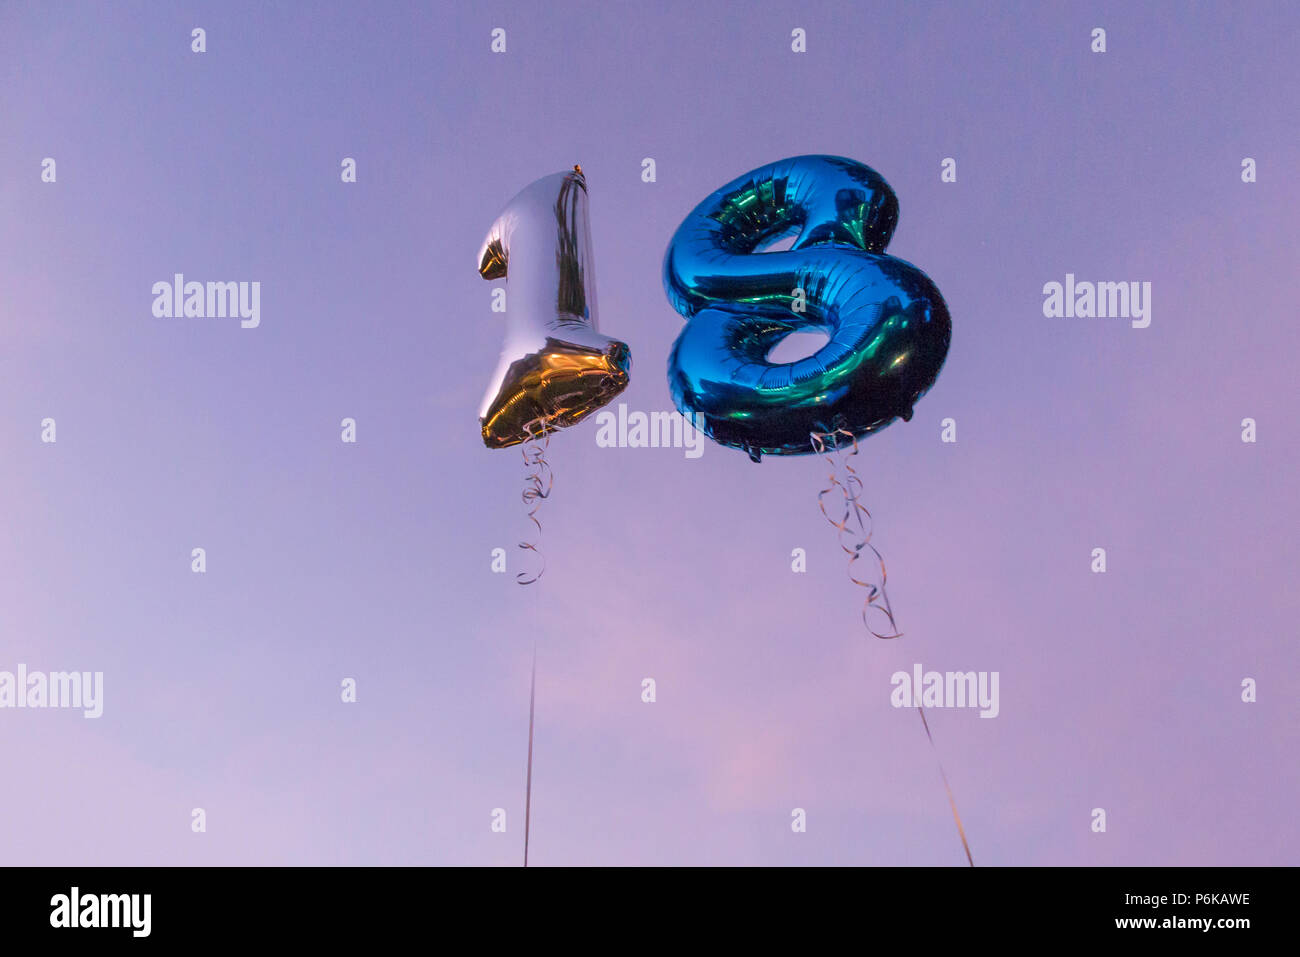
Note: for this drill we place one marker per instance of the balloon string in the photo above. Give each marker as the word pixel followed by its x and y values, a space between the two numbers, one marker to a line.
pixel 845 478
pixel 952 802
pixel 528 786
pixel 854 524
pixel 537 488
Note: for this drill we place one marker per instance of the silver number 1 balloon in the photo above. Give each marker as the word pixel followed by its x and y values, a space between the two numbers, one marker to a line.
pixel 555 367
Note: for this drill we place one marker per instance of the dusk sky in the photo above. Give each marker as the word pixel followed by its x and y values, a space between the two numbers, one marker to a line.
pixel 372 560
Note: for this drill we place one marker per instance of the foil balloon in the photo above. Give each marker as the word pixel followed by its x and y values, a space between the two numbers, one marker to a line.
pixel 887 325
pixel 555 367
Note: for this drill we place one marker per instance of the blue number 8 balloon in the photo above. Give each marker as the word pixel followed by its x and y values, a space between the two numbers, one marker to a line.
pixel 887 324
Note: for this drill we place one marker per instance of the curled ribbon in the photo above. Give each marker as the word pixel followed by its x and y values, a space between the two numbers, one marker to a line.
pixel 854 524
pixel 537 488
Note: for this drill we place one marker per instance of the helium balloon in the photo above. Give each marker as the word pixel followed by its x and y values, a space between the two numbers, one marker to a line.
pixel 887 325
pixel 555 367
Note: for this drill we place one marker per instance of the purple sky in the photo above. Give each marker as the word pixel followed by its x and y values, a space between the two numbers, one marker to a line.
pixel 326 560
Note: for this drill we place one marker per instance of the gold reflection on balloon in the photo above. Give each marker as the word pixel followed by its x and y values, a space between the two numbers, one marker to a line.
pixel 555 388
pixel 493 264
